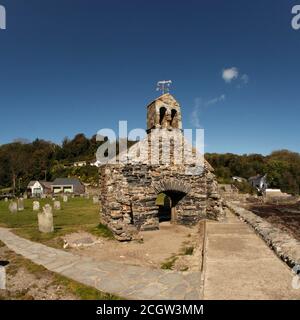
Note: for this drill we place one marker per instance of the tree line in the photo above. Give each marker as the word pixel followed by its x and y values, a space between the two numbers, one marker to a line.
pixel 282 168
pixel 21 161
pixel 44 160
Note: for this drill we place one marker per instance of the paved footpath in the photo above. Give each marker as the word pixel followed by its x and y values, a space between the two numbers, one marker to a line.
pixel 239 265
pixel 129 282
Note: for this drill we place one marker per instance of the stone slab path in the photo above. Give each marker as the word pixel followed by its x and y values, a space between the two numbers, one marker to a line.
pixel 239 265
pixel 131 282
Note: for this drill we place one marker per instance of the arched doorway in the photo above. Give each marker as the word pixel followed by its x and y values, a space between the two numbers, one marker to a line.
pixel 167 202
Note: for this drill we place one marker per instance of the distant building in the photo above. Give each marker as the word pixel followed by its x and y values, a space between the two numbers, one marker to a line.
pixel 79 164
pixel 97 164
pixel 38 188
pixel 68 185
pixel 259 182
pixel 239 179
pixel 276 193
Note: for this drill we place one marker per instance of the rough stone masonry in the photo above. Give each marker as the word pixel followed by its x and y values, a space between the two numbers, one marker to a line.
pixel 141 189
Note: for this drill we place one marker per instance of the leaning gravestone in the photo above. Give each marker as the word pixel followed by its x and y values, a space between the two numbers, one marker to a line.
pixel 95 199
pixel 36 206
pixel 65 198
pixel 2 278
pixel 45 219
pixel 13 207
pixel 56 205
pixel 20 204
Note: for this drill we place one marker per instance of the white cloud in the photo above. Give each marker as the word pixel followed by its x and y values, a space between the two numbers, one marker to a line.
pixel 230 74
pixel 195 116
pixel 245 78
pixel 200 105
pixel 216 100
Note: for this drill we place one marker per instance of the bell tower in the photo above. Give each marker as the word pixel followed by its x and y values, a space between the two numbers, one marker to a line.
pixel 164 113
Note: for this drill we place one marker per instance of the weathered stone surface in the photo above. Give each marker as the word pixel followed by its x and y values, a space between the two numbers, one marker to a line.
pixel 45 219
pixel 56 205
pixel 163 162
pixel 95 199
pixel 6 199
pixel 2 278
pixel 20 204
pixel 35 206
pixel 65 198
pixel 13 207
pixel 285 246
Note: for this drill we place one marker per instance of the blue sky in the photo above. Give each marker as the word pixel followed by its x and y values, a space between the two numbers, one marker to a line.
pixel 70 66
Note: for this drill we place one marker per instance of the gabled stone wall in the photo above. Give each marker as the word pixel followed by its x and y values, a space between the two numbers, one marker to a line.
pixel 128 195
pixel 163 162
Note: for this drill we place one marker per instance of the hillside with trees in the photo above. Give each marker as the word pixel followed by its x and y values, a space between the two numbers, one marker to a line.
pixel 282 168
pixel 22 161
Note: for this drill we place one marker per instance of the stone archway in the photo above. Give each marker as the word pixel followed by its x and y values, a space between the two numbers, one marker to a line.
pixel 171 192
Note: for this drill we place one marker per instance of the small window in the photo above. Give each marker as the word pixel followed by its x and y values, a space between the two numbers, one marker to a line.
pixel 173 116
pixel 162 112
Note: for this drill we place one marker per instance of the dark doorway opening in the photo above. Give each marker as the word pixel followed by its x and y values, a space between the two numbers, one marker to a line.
pixel 167 202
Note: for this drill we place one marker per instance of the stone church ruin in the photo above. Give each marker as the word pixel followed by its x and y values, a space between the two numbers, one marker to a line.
pixel 141 189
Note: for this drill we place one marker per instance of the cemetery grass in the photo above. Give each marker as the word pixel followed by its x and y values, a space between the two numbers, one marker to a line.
pixel 78 214
pixel 51 283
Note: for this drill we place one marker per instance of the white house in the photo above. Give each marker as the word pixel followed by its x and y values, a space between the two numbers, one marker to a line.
pixel 79 164
pixel 238 179
pixel 97 164
pixel 37 188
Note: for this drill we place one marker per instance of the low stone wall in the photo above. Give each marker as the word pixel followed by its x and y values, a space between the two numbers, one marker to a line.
pixel 285 246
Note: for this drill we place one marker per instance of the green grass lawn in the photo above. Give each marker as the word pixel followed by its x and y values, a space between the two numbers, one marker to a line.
pixel 76 214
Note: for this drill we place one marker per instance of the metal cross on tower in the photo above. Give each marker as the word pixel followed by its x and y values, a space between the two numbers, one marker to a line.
pixel 164 86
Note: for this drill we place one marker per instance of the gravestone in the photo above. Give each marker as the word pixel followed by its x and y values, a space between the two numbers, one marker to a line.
pixel 36 206
pixel 87 196
pixel 6 199
pixel 45 219
pixel 65 198
pixel 20 204
pixel 43 196
pixel 25 196
pixel 56 205
pixel 95 199
pixel 13 207
pixel 2 278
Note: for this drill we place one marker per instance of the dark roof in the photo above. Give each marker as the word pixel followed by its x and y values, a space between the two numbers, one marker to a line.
pixel 31 183
pixel 257 177
pixel 46 184
pixel 66 182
